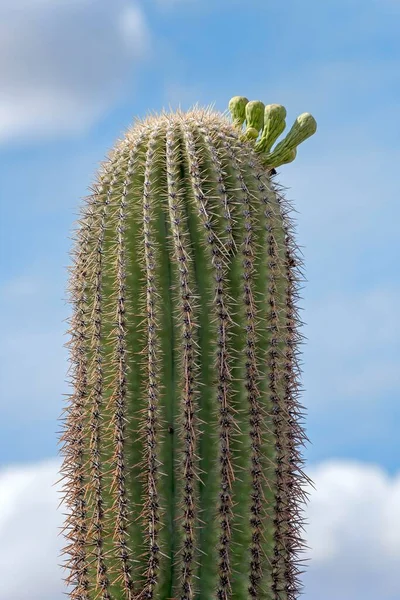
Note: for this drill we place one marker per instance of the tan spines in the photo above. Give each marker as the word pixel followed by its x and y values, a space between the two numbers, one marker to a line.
pixel 293 434
pixel 189 420
pixel 218 177
pixel 96 396
pixel 277 304
pixel 151 508
pixel 248 251
pixel 207 115
pixel 74 469
pixel 96 527
pixel 95 486
pixel 284 264
pixel 218 254
pixel 75 524
pixel 116 516
pixel 118 399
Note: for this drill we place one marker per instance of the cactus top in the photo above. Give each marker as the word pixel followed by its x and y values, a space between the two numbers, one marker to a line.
pixel 265 122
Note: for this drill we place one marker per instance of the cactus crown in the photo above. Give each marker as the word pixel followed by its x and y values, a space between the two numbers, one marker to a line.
pixel 181 441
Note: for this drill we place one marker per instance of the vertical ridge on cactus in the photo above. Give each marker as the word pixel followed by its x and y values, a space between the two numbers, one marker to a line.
pixel 181 437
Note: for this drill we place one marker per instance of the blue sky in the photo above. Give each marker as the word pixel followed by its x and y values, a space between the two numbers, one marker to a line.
pixel 74 75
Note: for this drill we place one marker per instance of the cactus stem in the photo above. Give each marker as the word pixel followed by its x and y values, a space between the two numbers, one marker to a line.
pixel 183 432
pixel 188 322
pixel 151 504
pixel 218 252
pixel 248 252
pixel 75 451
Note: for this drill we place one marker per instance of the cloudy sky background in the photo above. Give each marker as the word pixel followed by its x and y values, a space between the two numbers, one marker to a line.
pixel 73 76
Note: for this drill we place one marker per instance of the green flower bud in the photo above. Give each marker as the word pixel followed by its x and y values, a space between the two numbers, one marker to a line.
pixel 304 127
pixel 255 115
pixel 237 108
pixel 274 124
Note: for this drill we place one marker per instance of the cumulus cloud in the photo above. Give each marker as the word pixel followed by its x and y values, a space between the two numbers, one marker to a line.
pixel 353 530
pixel 30 544
pixel 63 64
pixel 354 533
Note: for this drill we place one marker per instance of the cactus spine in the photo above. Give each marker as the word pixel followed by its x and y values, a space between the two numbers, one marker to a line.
pixel 181 437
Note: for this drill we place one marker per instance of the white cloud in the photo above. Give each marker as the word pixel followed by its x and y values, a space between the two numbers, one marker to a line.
pixel 353 531
pixel 29 522
pixel 344 509
pixel 64 64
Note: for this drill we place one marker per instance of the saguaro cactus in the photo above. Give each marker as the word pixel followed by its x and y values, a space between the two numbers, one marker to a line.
pixel 181 437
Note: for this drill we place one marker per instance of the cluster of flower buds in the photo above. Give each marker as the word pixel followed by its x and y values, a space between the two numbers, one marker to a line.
pixel 269 120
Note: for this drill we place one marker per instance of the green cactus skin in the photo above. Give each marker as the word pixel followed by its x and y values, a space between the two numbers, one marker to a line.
pixel 181 437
